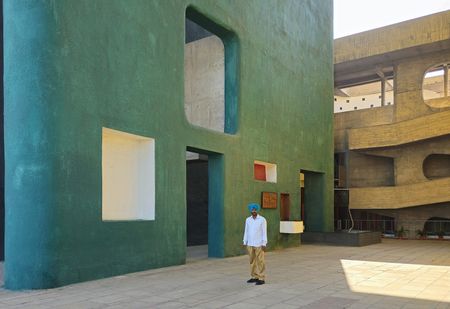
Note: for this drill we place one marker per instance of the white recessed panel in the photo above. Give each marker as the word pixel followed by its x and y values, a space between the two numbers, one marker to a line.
pixel 128 176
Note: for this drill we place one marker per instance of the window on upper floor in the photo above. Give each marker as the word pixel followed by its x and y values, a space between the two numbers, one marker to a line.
pixel 210 74
pixel 435 88
pixel 363 96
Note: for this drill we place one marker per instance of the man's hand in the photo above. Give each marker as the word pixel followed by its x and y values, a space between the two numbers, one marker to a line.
pixel 263 248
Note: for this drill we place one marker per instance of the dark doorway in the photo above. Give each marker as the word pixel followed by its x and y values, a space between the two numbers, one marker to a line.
pixel 312 199
pixel 197 199
pixel 302 196
pixel 204 203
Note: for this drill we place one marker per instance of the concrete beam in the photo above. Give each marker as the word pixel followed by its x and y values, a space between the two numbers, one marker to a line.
pixel 400 133
pixel 396 197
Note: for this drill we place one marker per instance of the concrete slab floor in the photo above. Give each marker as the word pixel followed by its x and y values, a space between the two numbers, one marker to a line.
pixel 393 274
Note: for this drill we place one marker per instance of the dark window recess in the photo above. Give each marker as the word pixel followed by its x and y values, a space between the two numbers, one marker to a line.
pixel 284 206
pixel 340 108
pixel 355 107
pixel 348 101
pixel 363 99
pixel 371 105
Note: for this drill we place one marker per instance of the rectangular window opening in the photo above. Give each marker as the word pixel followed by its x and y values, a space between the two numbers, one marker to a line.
pixel 264 171
pixel 210 64
pixel 368 94
pixel 128 176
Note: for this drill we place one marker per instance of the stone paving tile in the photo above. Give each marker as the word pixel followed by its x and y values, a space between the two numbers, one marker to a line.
pixel 243 305
pixel 282 306
pixel 270 299
pixel 80 305
pixel 213 304
pixel 310 276
pixel 443 306
pixel 330 303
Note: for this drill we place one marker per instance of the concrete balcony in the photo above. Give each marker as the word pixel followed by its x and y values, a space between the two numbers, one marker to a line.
pixel 388 135
pixel 395 197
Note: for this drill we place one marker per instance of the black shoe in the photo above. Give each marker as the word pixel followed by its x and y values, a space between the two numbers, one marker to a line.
pixel 251 280
pixel 260 282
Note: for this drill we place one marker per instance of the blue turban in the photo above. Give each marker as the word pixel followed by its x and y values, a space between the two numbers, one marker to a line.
pixel 253 206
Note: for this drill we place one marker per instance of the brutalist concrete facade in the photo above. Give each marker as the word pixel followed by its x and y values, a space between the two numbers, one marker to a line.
pixel 75 68
pixel 395 160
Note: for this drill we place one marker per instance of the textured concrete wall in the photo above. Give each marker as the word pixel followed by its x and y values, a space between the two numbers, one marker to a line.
pixel 400 133
pixel 356 119
pixel 414 218
pixel 415 129
pixel 409 34
pixel 437 165
pixel 370 171
pixel 204 83
pixel 409 103
pixel 410 159
pixel 395 197
pixel 73 67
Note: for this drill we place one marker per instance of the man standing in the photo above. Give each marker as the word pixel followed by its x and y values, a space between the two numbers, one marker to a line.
pixel 255 238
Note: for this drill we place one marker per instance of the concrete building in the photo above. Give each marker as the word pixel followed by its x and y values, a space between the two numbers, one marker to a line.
pixel 102 128
pixel 392 127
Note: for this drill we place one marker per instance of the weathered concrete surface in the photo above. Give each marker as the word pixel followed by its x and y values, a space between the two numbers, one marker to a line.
pixel 414 218
pixel 410 36
pixel 422 193
pixel 369 170
pixel 342 238
pixel 400 133
pixel 405 134
pixel 408 96
pixel 357 119
pixel 204 83
pixel 74 67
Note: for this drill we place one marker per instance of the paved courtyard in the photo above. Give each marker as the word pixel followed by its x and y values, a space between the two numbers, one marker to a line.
pixel 393 274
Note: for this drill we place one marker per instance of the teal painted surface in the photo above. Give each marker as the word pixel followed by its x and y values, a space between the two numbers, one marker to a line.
pixel 29 147
pixel 215 206
pixel 316 217
pixel 73 67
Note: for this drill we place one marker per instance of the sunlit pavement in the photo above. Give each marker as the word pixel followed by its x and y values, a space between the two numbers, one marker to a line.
pixel 393 274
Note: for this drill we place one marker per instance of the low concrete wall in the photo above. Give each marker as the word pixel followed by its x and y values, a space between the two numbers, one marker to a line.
pixel 395 197
pixel 400 133
pixel 362 238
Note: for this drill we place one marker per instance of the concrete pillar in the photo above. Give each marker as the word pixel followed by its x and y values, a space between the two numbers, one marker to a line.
pixel 445 80
pixel 383 91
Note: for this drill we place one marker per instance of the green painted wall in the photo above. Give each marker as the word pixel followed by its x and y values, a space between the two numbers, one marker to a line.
pixel 75 66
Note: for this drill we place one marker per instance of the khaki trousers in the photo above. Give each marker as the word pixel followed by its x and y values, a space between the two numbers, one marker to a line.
pixel 257 264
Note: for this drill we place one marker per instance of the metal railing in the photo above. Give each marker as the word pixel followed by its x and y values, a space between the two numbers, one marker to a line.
pixel 407 228
pixel 367 225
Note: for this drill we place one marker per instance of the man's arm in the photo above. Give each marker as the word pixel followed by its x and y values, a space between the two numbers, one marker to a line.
pixel 245 240
pixel 264 233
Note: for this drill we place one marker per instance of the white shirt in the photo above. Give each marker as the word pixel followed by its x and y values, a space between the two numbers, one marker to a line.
pixel 255 234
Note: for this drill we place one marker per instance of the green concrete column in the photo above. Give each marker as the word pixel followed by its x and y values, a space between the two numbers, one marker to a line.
pixel 29 95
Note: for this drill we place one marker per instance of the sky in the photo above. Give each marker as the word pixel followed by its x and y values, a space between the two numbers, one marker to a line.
pixel 353 16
